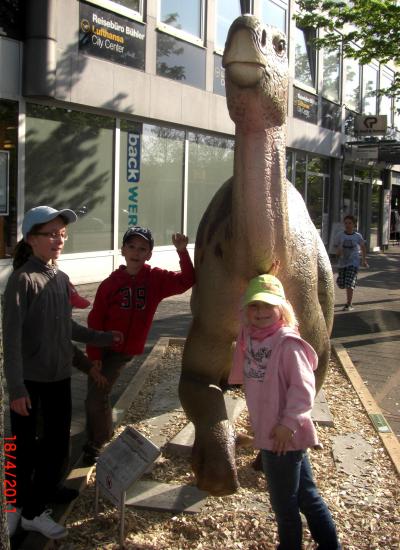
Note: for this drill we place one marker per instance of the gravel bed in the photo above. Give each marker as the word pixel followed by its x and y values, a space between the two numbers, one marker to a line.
pixel 365 508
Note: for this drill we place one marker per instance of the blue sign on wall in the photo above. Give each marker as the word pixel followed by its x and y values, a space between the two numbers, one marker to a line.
pixel 133 177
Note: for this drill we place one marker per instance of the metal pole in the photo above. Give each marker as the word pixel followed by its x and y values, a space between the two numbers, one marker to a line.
pixel 96 500
pixel 246 6
pixel 122 520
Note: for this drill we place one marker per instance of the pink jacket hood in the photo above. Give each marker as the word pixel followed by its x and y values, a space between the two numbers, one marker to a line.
pixel 288 387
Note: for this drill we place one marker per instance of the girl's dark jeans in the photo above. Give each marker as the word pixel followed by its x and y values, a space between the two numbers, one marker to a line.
pixel 292 490
pixel 41 455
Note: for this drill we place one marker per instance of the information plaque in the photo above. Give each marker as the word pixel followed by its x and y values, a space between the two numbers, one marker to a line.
pixel 120 465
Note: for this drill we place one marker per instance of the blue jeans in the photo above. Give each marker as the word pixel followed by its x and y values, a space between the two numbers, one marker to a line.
pixel 292 490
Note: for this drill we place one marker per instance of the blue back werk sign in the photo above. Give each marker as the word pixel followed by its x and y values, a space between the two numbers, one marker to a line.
pixel 133 176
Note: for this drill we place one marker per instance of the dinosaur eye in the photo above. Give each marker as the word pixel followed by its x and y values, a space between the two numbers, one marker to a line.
pixel 279 45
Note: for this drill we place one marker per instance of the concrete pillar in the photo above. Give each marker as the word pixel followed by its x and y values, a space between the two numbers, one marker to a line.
pixel 40 49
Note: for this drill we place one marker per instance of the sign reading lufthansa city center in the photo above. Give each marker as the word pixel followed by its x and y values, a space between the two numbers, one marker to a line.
pixel 112 37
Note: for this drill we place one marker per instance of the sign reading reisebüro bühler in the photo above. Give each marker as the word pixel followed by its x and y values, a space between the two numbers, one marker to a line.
pixel 112 37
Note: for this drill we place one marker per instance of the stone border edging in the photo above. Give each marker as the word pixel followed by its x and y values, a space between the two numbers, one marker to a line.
pixel 389 440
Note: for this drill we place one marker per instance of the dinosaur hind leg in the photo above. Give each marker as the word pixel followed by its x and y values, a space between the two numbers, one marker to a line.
pixel 213 453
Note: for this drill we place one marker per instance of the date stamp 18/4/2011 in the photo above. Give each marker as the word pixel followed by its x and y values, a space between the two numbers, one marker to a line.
pixel 10 481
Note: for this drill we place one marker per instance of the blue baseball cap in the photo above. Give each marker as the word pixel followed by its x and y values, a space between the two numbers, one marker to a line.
pixel 44 214
pixel 140 232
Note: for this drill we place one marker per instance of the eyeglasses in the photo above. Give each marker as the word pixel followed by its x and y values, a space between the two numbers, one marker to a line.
pixel 52 235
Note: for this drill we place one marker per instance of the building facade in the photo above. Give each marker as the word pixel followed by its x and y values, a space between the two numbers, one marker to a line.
pixel 117 110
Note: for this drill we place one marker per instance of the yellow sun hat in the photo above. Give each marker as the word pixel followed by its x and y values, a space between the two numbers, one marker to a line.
pixel 264 288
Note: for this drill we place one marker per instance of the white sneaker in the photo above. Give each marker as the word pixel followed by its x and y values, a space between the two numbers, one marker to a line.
pixel 44 524
pixel 13 520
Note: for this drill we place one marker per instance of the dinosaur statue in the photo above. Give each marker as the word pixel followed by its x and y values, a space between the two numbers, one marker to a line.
pixel 254 220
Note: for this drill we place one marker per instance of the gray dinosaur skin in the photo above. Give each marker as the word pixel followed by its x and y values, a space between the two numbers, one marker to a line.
pixel 256 218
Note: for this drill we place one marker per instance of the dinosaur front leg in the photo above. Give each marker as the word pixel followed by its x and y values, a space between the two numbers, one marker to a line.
pixel 213 453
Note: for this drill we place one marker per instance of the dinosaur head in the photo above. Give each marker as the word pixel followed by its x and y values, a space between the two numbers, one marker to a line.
pixel 256 74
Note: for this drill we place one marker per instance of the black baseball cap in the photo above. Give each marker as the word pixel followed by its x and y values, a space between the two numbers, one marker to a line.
pixel 140 232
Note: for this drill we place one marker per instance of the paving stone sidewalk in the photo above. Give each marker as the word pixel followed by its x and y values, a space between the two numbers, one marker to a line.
pixel 371 333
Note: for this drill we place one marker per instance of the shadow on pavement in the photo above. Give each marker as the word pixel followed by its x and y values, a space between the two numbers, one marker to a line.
pixel 365 322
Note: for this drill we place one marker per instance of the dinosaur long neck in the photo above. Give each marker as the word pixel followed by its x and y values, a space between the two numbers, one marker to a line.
pixel 259 198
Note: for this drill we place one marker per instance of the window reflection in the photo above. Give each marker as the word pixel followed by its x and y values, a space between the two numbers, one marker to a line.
pixel 161 185
pixel 210 165
pixel 69 159
pixel 274 15
pixel 180 60
pixel 130 4
pixel 305 56
pixel 9 142
pixel 385 107
pixel 370 76
pixel 185 16
pixel 352 85
pixel 227 11
pixel 331 75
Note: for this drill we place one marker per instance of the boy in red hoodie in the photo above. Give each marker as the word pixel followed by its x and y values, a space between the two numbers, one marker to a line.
pixel 126 301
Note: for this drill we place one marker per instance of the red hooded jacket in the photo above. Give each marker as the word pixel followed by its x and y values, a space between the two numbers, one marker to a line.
pixel 128 304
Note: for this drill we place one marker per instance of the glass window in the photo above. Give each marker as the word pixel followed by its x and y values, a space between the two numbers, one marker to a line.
pixel 160 189
pixel 12 18
pixel 227 12
pixel 331 74
pixel 219 75
pixel 397 114
pixel 305 57
pixel 375 211
pixel 210 165
pixel 300 181
pixel 315 198
pixel 183 16
pixel 289 165
pixel 370 79
pixel 181 60
pixel 129 8
pixel 352 85
pixel 9 144
pixel 69 164
pixel 274 15
pixel 331 116
pixel 385 107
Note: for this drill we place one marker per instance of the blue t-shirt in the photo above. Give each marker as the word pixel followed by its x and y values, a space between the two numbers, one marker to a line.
pixel 350 244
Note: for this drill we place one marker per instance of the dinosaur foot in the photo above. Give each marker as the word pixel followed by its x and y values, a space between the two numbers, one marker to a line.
pixel 213 460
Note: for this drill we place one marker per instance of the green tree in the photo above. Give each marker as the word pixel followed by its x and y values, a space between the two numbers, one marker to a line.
pixel 369 30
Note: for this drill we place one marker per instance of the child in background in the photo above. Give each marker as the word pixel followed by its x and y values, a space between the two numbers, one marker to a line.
pixel 348 245
pixel 37 333
pixel 276 367
pixel 127 301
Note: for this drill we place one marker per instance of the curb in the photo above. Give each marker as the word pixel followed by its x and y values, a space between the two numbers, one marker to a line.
pixel 388 438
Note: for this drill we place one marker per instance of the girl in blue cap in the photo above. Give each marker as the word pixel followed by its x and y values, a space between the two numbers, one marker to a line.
pixel 37 333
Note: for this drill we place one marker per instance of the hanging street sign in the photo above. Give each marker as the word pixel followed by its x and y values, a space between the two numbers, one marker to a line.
pixel 372 125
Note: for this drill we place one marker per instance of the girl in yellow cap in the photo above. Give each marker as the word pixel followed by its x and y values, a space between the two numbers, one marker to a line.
pixel 276 367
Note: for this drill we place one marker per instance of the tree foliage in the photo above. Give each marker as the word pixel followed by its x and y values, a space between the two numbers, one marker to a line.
pixel 368 29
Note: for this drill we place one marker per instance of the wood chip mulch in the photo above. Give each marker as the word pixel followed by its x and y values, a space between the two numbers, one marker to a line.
pixel 365 508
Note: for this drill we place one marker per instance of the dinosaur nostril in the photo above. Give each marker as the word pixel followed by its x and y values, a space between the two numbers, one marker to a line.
pixel 264 38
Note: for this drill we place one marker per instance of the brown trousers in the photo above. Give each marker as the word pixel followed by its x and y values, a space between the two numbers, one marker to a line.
pixel 99 421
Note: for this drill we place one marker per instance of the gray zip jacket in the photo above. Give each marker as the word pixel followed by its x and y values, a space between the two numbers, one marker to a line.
pixel 38 328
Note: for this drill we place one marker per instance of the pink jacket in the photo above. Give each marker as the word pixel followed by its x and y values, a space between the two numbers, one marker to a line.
pixel 277 373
